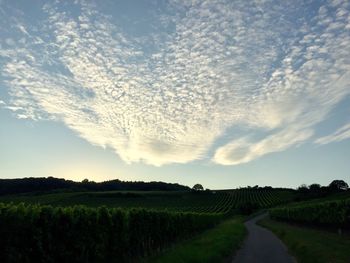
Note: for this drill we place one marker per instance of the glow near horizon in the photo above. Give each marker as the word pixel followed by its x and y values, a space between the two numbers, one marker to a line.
pixel 223 82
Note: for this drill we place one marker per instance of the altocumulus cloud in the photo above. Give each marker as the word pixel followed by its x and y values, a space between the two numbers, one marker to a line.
pixel 168 94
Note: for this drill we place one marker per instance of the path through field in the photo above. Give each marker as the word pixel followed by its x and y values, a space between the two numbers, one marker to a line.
pixel 262 246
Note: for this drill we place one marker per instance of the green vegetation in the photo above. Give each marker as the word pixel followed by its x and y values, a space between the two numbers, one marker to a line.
pixel 64 220
pixel 33 233
pixel 311 245
pixel 329 213
pixel 227 201
pixel 214 245
pixel 49 184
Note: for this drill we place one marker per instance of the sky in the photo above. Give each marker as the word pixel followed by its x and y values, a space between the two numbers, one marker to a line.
pixel 218 92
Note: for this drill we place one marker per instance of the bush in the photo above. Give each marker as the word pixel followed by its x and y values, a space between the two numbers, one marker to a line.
pixel 330 213
pixel 32 233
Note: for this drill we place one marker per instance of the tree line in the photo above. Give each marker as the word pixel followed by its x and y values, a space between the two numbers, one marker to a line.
pixel 306 192
pixel 42 184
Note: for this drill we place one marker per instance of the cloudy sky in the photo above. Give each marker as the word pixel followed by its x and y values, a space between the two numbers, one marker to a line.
pixel 225 93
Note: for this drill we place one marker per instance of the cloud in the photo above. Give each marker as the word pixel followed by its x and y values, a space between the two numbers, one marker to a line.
pixel 342 133
pixel 167 94
pixel 244 150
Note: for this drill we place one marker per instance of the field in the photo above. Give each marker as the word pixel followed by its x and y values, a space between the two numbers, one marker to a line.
pixel 129 225
pixel 155 226
pixel 310 244
pixel 224 201
pixel 335 213
pixel 315 230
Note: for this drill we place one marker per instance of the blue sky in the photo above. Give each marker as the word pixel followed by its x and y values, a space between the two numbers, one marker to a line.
pixel 225 93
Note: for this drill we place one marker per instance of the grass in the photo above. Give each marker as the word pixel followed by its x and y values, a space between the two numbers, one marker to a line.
pixel 311 245
pixel 214 245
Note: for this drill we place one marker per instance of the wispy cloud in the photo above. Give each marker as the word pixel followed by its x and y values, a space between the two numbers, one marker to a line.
pixel 167 96
pixel 339 135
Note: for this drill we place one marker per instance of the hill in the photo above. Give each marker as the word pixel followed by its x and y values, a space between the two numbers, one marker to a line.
pixel 42 184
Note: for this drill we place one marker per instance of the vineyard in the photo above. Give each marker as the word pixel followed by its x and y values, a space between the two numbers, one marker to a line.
pixel 330 213
pixel 33 233
pixel 129 226
pixel 224 201
pixel 116 225
pixel 231 200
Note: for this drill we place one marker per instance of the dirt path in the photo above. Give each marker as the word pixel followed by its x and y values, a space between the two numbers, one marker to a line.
pixel 262 246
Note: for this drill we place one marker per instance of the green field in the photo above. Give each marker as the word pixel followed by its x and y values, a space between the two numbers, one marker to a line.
pixel 37 233
pixel 315 230
pixel 311 245
pixel 147 224
pixel 223 201
pixel 331 212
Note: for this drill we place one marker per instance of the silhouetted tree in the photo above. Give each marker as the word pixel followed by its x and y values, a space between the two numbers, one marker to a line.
pixel 303 188
pixel 85 181
pixel 315 187
pixel 27 185
pixel 338 185
pixel 198 187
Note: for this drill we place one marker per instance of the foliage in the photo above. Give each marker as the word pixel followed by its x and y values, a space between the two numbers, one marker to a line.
pixel 226 201
pixel 246 208
pixel 33 233
pixel 26 185
pixel 198 187
pixel 310 245
pixel 338 185
pixel 315 190
pixel 330 213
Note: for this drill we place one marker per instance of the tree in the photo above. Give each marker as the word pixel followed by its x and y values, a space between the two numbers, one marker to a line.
pixel 198 187
pixel 303 188
pixel 338 185
pixel 315 187
pixel 85 181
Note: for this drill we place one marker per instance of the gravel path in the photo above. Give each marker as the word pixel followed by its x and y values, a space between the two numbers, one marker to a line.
pixel 262 246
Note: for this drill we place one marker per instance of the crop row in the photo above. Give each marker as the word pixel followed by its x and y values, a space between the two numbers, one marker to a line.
pixel 330 213
pixel 227 201
pixel 33 233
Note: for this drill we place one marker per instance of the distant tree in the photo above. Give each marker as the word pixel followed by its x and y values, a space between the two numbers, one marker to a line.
pixel 39 184
pixel 198 187
pixel 256 186
pixel 338 185
pixel 315 187
pixel 268 187
pixel 303 188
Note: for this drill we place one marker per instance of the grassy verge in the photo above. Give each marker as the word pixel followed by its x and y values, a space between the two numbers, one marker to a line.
pixel 311 245
pixel 214 245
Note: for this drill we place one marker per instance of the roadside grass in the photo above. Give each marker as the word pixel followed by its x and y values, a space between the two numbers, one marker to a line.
pixel 214 245
pixel 310 245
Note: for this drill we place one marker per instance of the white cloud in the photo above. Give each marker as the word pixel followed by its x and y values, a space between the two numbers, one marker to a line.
pixel 342 133
pixel 244 150
pixel 167 96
